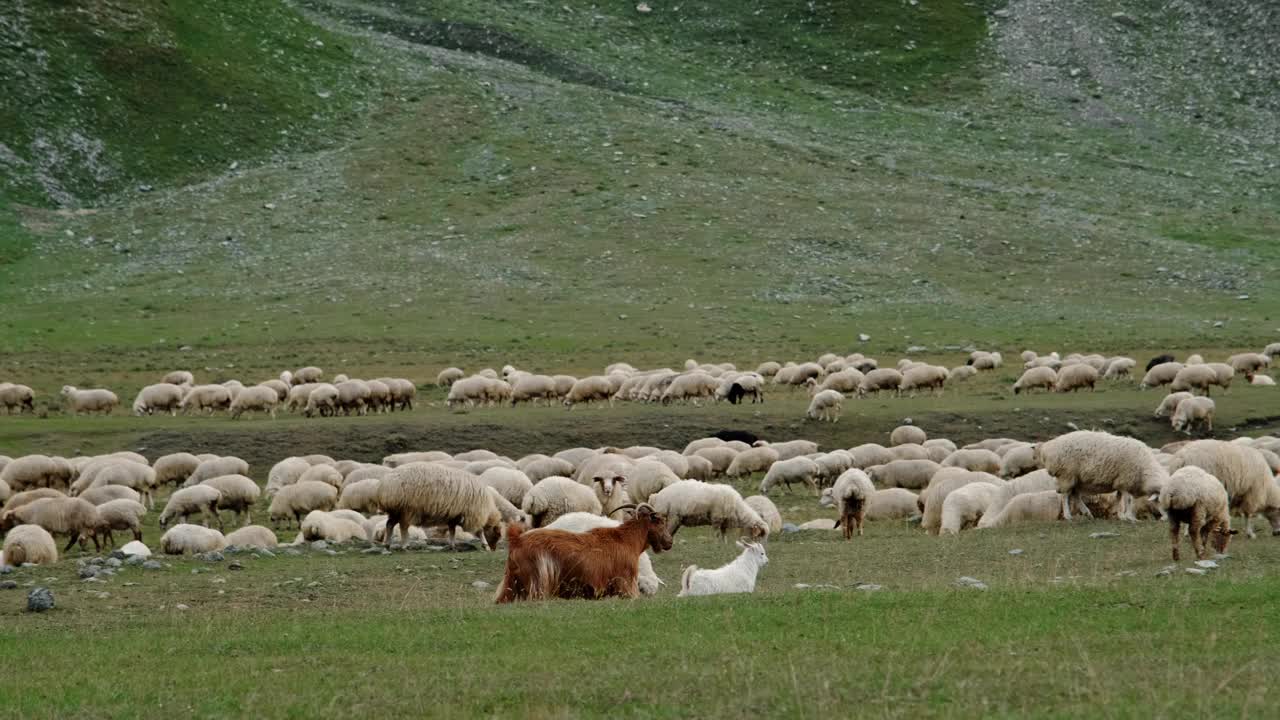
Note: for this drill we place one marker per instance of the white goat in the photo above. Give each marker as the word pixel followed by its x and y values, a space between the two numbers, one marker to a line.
pixel 738 576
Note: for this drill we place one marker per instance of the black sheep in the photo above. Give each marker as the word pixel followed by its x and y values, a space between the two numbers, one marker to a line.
pixel 1159 360
pixel 740 435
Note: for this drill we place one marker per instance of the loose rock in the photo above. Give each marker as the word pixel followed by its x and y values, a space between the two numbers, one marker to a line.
pixel 39 600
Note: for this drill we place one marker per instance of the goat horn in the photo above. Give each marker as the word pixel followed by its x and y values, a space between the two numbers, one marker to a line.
pixel 621 507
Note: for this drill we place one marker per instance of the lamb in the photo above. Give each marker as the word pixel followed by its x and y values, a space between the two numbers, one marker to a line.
pixel 975 460
pixel 193 539
pixel 1043 506
pixel 37 471
pixel 19 398
pixel 161 397
pixel 880 379
pixel 754 460
pixel 1242 470
pixel 904 434
pixel 579 522
pixel 826 405
pixel 321 525
pixel 767 511
pixel 1169 405
pixel 252 536
pixel 96 400
pixel 121 514
pixel 239 494
pixel 909 474
pixel 1161 374
pixel 73 517
pixel 189 501
pixel 961 373
pixel 296 500
pixel 1036 377
pixel 426 495
pixel 850 495
pixel 594 388
pixel 964 507
pixel 206 399
pixel 448 376
pixel 1197 498
pixel 28 544
pixel 1194 377
pixel 1119 367
pixel 598 563
pixel 216 467
pixel 260 398
pixel 1074 377
pixel 1088 463
pixel 738 576
pixel 1191 412
pixel 690 502
pixel 797 469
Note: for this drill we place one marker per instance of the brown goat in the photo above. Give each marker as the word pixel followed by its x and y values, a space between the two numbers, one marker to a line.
pixel 595 564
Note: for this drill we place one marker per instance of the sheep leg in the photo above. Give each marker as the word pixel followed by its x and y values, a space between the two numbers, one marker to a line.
pixel 1248 527
pixel 71 541
pixel 1194 528
pixel 1175 537
pixel 453 529
pixel 1066 508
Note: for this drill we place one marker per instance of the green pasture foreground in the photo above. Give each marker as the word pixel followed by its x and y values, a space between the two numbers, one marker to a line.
pixel 1072 627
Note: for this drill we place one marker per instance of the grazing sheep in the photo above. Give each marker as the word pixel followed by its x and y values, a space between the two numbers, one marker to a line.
pixel 690 502
pixel 965 506
pixel 850 496
pixel 216 467
pixel 427 495
pixel 754 460
pixel 189 501
pixel 37 471
pixel 580 522
pixel 286 472
pixel 73 517
pixel 510 483
pixel 28 544
pixel 307 375
pixel 531 388
pixel 831 464
pixel 107 493
pixel 321 525
pixel 1036 377
pixel 296 500
pixel 1191 412
pixel 1197 498
pixel 121 514
pixel 908 474
pixel 448 376
pixel 395 461
pixel 594 388
pixel 1169 404
pixel 1242 470
pixel 1161 374
pixel 1119 367
pixel 353 397
pixel 17 398
pixel 17 500
pixel 790 448
pixel 322 401
pixel 1018 460
pixel 191 539
pixel 161 397
pixel 1159 360
pixel 206 399
pixel 543 468
pixel 722 457
pixel 175 468
pixel 911 451
pixel 1194 377
pixel 131 475
pixel 961 373
pixel 908 434
pixel 699 469
pixel 975 460
pixel 96 400
pixel 868 454
pixel 1043 506
pixel 361 496
pixel 555 496
pixel 648 477
pixel 738 576
pixel 880 379
pixel 1088 463
pixel 945 482
pixel 322 473
pixel 1249 363
pixel 892 504
pixel 931 377
pixel 1074 377
pixel 252 536
pixel 259 398
pixel 239 494
pixel 767 511
pixel 797 470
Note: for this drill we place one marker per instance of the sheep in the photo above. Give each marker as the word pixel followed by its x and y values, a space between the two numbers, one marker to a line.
pixel 690 386
pixel 260 398
pixel 844 381
pixel 37 471
pixel 754 460
pixel 975 460
pixel 798 374
pixel 598 563
pixel 322 473
pixel 234 387
pixel 547 467
pixel 790 448
pixel 648 477
pixel 174 468
pixel 1036 377
pixel 531 388
pixel 825 405
pixel 73 517
pixel 353 397
pixel 189 501
pixel 1242 470
pixel 580 522
pixel 286 472
pixel 1074 377
pixel 1194 377
pixel 1261 380
pixel 206 399
pixel 361 495
pixel 674 461
pixel 1169 405
pixel 904 434
pixel 307 375
pixel 131 475
pixel 850 496
pixel 1249 363
pixel 1043 506
pixel 95 400
pixel 831 464
pixel 193 539
pixel 768 368
pixel 448 376
pixel 594 388
pixel 961 373
pixel 17 500
pixel 964 507
pixel 322 401
pixel 239 494
pixel 606 474
pixel 425 494
pixel 107 493
pixel 880 379
pixel 321 525
pixel 1191 412
pixel 932 377
pixel 739 576
pixel 394 461
pixel 296 500
pixel 908 474
pixel 28 544
pixel 986 360
pixel 509 482
pixel 161 397
pixel 868 454
pixel 720 458
pixel 767 511
pixel 1119 367
pixel 216 467
pixel 122 514
pixel 1159 360
pixel 734 390
pixel 892 504
pixel 1018 460
pixel 252 536
pixel 1197 498
pixel 17 398
pixel 690 502
pixel 945 482
pixel 1161 374
pixel 798 470
pixel 1087 462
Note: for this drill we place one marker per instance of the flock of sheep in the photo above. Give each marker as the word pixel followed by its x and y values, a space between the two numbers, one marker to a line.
pixel 579 522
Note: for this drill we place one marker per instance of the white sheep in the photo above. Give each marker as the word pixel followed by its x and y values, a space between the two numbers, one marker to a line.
pixel 285 472
pixel 1265 380
pixel 826 405
pixel 753 460
pixel 690 502
pixel 322 401
pixel 239 494
pixel 1042 506
pixel 1242 470
pixel 161 397
pixel 183 539
pixel 252 536
pixel 216 467
pixel 880 379
pixel 923 376
pixel 976 460
pixel 594 388
pixel 326 474
pixel 259 398
pixel 1118 367
pixel 73 517
pixel 321 525
pixel 296 500
pixel 790 448
pixel 448 376
pixel 1192 412
pixel 107 493
pixel 1075 377
pixel 1017 460
pixel 648 477
pixel 1197 498
pixel 1194 377
pixel 850 496
pixel 893 504
pixel 206 399
pixel 96 400
pixel 28 544
pixel 794 470
pixel 427 495
pixel 767 511
pixel 965 506
pixel 1169 404
pixel 15 398
pixel 1249 363
pixel 1036 377
pixel 188 501
pixel 1089 463
pixel 909 474
pixel 738 576
pixel 121 514
pixel 1161 374
pixel 580 522
pixel 945 482
pixel 868 454
pixel 904 434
